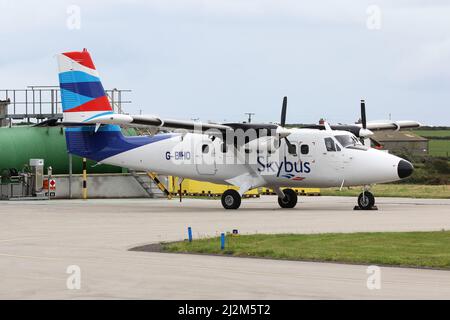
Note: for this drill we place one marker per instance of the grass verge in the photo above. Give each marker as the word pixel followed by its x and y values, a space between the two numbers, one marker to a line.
pixel 406 249
pixel 395 190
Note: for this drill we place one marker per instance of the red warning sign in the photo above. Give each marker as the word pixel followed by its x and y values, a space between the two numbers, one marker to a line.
pixel 52 184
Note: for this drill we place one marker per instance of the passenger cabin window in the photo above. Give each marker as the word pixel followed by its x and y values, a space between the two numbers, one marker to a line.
pixel 292 149
pixel 304 149
pixel 330 145
pixel 205 148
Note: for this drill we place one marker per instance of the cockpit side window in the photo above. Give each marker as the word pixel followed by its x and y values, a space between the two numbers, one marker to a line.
pixel 347 140
pixel 329 144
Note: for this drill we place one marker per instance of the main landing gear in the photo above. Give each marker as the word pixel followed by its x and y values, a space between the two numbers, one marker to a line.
pixel 231 199
pixel 366 201
pixel 288 200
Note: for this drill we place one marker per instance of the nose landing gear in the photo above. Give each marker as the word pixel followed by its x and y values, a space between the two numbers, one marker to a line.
pixel 366 201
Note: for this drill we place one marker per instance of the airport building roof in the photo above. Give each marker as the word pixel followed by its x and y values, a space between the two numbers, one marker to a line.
pixel 406 136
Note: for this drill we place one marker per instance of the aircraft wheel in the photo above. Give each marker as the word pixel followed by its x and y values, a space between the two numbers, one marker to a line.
pixel 366 200
pixel 231 199
pixel 289 200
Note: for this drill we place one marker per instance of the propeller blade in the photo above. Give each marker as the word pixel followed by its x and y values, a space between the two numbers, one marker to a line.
pixel 283 112
pixel 363 114
pixel 291 147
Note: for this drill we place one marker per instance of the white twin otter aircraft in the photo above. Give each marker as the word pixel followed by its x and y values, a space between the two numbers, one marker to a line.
pixel 239 154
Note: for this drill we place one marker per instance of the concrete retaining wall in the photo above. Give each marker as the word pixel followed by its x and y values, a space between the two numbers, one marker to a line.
pixel 106 186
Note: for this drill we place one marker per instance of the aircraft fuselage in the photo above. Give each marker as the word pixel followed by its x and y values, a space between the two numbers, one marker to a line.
pixel 200 157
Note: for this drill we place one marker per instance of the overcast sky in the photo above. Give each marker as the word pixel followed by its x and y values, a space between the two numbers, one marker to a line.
pixel 216 59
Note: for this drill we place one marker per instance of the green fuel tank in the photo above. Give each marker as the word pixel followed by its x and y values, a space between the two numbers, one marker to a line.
pixel 21 143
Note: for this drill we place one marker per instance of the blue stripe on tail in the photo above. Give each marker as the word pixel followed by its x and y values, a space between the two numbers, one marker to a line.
pixel 87 89
pixel 76 76
pixel 72 100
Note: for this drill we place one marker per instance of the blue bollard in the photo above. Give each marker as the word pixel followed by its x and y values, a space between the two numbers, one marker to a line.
pixel 190 234
pixel 222 241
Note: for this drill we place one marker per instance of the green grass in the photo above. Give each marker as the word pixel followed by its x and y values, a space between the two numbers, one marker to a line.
pixel 411 249
pixel 395 190
pixel 439 148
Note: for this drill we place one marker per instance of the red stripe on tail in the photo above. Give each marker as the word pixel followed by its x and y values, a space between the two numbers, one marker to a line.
pixel 98 104
pixel 83 58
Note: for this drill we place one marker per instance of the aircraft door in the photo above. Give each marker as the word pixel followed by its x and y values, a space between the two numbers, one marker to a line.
pixel 332 156
pixel 205 157
pixel 307 154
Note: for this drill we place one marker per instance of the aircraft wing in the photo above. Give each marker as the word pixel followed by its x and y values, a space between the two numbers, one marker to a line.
pixel 193 126
pixel 178 124
pixel 392 125
pixel 154 121
pixel 358 131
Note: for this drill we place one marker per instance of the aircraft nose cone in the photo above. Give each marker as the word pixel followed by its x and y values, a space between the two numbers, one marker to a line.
pixel 404 169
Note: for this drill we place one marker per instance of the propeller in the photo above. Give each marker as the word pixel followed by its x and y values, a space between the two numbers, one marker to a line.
pixel 283 112
pixel 282 131
pixel 364 133
pixel 363 114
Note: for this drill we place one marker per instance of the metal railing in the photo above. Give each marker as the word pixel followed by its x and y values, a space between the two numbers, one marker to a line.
pixel 43 102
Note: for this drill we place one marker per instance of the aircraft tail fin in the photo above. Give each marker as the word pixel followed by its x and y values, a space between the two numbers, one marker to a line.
pixel 83 100
pixel 82 94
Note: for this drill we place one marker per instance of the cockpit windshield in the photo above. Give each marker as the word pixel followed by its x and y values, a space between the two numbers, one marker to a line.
pixel 348 140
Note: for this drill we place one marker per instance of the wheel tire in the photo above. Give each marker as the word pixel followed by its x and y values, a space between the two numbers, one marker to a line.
pixel 366 200
pixel 290 199
pixel 231 199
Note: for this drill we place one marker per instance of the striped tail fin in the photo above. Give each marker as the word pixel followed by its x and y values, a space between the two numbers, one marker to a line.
pixel 83 99
pixel 82 94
